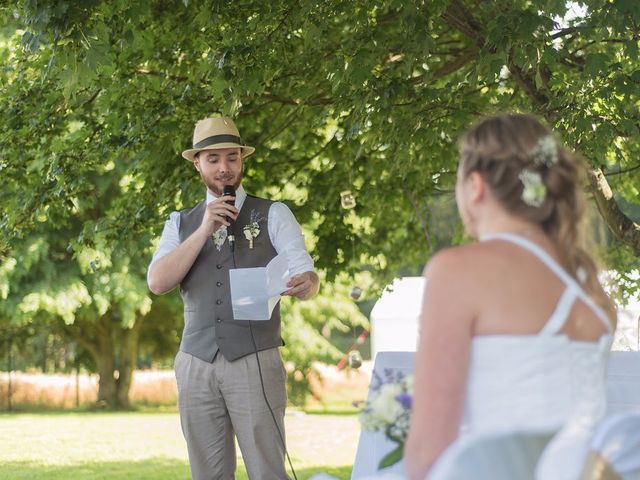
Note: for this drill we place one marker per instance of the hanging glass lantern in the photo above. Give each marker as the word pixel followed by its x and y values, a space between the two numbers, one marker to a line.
pixel 355 292
pixel 355 359
pixel 347 200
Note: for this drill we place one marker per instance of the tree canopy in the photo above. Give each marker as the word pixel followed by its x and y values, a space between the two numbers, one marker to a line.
pixel 366 96
pixel 99 98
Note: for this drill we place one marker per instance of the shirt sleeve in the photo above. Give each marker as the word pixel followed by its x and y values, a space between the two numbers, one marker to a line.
pixel 286 237
pixel 169 240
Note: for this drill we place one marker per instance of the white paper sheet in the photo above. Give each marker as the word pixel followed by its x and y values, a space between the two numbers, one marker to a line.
pixel 256 291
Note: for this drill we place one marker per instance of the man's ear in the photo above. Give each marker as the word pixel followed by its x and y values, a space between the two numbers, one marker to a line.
pixel 196 163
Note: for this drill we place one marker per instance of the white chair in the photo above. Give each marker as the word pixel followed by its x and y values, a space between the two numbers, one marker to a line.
pixel 500 456
pixel 623 383
pixel 615 449
pixel 373 446
pixel 623 392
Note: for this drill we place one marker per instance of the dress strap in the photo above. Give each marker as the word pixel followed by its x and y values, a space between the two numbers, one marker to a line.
pixel 560 313
pixel 573 291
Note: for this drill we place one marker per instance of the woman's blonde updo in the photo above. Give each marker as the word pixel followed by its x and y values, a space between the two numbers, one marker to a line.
pixel 535 178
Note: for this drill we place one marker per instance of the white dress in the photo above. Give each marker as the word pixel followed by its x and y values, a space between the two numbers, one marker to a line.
pixel 538 383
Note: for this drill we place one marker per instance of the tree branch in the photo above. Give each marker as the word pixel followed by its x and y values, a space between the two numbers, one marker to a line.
pixel 527 83
pixel 297 101
pixel 566 31
pixel 620 172
pixel 457 16
pixel 79 334
pixel 92 98
pixel 623 229
pixel 305 161
pixel 176 78
pixel 456 64
pixel 421 218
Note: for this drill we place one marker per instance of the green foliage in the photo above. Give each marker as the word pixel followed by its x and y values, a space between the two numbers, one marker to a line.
pixel 98 99
pixel 330 310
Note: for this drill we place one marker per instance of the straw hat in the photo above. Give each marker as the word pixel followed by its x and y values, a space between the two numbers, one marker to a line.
pixel 214 134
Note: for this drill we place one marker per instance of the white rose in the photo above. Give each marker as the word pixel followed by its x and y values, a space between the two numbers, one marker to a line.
pixel 385 406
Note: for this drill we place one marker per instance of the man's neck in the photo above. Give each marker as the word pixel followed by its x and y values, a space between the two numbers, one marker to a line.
pixel 240 195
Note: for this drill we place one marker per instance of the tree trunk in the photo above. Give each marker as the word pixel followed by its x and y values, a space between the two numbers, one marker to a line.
pixel 105 358
pixel 623 229
pixel 9 369
pixel 107 383
pixel 77 364
pixel 114 349
pixel 128 360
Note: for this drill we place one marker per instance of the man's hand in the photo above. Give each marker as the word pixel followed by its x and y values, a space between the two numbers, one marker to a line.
pixel 218 213
pixel 303 286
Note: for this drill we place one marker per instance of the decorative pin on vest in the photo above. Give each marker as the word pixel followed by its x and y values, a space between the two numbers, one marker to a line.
pixel 219 237
pixel 252 229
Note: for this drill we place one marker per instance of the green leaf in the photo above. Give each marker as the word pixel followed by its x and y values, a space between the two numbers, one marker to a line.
pixel 392 457
pixel 596 63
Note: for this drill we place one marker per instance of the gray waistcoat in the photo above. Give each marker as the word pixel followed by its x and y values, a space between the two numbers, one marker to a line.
pixel 208 317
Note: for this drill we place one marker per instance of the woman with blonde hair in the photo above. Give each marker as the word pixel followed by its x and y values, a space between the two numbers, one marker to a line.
pixel 515 328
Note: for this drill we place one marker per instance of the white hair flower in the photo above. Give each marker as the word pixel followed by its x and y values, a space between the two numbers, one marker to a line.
pixel 534 191
pixel 545 152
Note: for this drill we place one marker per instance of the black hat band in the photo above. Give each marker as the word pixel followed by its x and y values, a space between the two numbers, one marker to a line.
pixel 207 142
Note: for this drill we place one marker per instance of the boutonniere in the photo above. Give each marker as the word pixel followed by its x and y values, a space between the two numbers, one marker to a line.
pixel 219 237
pixel 252 229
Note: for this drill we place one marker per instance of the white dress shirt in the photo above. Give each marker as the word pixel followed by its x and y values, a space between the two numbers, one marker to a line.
pixel 284 232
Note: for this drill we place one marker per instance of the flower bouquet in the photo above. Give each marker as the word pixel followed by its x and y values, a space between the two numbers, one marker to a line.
pixel 388 410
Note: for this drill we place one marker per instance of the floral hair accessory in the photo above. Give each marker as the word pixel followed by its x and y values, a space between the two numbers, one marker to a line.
pixel 582 275
pixel 545 152
pixel 534 191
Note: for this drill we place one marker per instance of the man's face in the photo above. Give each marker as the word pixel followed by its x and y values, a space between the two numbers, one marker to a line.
pixel 219 168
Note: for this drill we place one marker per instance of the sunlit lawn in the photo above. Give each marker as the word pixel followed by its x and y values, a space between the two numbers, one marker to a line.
pixel 113 446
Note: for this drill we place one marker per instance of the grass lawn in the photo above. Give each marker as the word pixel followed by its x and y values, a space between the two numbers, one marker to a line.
pixel 113 446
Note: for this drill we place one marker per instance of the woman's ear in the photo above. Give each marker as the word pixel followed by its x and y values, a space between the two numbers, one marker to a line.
pixel 477 187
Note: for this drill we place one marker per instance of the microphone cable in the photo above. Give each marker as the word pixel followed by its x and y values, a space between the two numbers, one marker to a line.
pixel 264 392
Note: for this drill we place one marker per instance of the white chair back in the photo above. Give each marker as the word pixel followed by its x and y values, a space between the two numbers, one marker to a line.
pixel 623 397
pixel 501 456
pixel 615 449
pixel 623 383
pixel 373 446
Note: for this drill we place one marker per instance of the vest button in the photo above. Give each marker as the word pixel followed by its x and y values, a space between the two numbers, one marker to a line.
pixel 218 320
pixel 218 302
pixel 218 267
pixel 219 284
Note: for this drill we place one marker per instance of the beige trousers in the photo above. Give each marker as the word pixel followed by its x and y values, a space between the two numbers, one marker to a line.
pixel 221 399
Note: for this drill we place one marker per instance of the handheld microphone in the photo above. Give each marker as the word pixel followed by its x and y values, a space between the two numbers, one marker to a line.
pixel 230 191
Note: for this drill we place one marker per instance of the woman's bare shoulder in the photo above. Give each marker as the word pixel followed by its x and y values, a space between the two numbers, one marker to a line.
pixel 462 260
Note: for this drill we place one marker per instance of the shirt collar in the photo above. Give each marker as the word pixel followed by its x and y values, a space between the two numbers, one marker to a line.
pixel 240 196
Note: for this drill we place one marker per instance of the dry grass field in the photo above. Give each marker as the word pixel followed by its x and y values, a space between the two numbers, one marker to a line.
pixel 157 388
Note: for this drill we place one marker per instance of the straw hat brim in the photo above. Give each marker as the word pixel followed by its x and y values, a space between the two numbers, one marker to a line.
pixel 191 153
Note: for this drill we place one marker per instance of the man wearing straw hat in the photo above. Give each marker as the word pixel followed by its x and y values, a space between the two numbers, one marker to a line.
pixel 231 379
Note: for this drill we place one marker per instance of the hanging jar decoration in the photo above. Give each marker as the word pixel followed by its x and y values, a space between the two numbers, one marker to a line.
pixel 355 292
pixel 355 359
pixel 347 200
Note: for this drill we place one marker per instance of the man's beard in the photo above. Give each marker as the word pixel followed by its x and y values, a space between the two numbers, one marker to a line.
pixel 211 185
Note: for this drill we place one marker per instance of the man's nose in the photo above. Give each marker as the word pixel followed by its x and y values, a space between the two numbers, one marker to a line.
pixel 225 165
